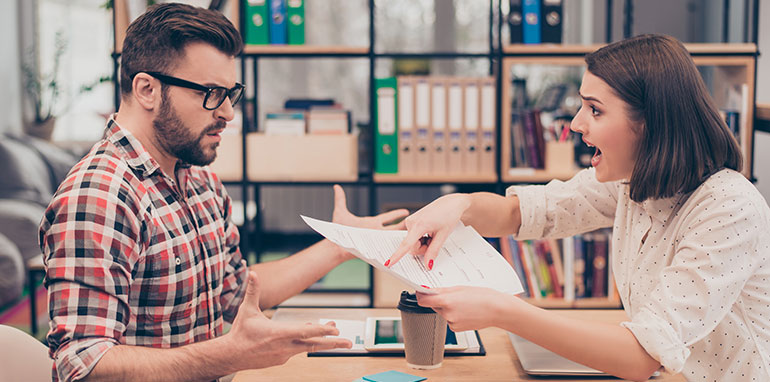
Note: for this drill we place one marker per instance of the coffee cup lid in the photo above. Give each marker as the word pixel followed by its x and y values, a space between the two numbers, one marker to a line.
pixel 408 303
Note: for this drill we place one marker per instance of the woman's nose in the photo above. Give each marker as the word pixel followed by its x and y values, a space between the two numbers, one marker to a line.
pixel 577 124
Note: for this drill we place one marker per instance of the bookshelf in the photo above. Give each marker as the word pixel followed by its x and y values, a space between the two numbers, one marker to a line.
pixel 732 64
pixel 729 66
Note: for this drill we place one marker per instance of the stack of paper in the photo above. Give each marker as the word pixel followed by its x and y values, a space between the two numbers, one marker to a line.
pixel 465 259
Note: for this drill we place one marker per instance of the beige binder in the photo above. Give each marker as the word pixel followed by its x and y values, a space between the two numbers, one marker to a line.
pixel 438 119
pixel 455 126
pixel 406 155
pixel 422 125
pixel 471 126
pixel 488 129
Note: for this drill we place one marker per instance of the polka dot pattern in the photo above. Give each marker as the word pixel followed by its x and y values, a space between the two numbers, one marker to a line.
pixel 693 271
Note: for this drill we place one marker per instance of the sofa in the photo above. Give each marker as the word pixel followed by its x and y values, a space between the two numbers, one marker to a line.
pixel 30 171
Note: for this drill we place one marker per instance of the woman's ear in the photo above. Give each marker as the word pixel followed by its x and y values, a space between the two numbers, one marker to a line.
pixel 146 91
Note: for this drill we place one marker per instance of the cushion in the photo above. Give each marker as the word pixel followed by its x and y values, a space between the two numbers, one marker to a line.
pixel 32 168
pixel 19 222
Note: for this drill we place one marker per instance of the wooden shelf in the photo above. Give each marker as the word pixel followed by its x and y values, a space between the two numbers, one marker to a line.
pixel 578 49
pixel 536 176
pixel 431 178
pixel 304 50
pixel 582 303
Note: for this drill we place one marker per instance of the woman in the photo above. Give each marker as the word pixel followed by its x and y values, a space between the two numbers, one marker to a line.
pixel 690 244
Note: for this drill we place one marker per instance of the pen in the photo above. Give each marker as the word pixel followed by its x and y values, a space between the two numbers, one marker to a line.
pixel 564 133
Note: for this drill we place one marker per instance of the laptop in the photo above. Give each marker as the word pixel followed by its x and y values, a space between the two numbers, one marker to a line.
pixel 536 360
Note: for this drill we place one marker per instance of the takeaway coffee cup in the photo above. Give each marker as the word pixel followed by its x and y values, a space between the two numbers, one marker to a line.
pixel 424 333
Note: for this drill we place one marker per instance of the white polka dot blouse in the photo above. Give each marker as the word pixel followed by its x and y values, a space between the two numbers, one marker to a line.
pixel 693 271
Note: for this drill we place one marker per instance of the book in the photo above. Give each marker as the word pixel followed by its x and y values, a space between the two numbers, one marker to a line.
pixel 285 123
pixel 322 120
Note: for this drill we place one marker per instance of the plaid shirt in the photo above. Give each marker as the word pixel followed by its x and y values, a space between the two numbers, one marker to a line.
pixel 134 258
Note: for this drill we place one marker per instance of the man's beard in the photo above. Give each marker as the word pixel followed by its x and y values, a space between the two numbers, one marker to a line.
pixel 176 139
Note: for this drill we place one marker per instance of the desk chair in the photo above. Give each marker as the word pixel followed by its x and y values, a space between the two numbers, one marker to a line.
pixel 22 358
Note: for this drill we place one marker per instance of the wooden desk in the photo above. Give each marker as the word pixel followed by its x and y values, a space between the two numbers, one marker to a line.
pixel 500 363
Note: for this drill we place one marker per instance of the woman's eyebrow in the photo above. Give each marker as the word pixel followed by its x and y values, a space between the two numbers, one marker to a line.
pixel 589 98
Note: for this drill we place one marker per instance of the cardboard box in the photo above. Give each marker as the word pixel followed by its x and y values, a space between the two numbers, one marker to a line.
pixel 302 158
pixel 229 163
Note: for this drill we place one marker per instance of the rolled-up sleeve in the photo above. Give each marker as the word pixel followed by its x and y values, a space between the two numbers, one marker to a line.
pixel 89 237
pixel 236 270
pixel 716 255
pixel 561 209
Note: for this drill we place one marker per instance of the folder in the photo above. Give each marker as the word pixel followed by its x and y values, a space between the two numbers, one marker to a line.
pixel 295 18
pixel 455 125
pixel 471 126
pixel 531 11
pixel 551 21
pixel 256 22
pixel 277 22
pixel 406 155
pixel 487 148
pixel 386 157
pixel 438 97
pixel 422 125
pixel 515 22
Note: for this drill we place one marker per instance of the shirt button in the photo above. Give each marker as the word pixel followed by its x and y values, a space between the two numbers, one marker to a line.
pixel 178 261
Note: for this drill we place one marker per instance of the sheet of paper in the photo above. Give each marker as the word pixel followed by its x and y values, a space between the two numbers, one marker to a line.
pixel 465 259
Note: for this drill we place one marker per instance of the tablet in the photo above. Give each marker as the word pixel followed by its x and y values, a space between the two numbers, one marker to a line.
pixel 385 334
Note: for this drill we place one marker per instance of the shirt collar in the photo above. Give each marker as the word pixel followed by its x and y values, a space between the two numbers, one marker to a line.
pixel 664 208
pixel 137 157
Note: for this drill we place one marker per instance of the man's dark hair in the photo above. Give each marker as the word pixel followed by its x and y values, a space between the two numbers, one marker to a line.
pixel 683 138
pixel 156 40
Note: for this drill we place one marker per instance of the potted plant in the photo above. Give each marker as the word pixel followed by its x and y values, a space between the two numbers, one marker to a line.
pixel 43 90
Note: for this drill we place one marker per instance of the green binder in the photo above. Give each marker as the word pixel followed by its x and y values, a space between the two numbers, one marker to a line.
pixel 295 13
pixel 256 22
pixel 385 125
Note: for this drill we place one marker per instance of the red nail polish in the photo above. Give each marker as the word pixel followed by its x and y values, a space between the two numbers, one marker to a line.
pixel 425 286
pixel 430 264
pixel 387 262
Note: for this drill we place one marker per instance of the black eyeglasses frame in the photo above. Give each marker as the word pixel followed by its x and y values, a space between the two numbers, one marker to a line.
pixel 235 93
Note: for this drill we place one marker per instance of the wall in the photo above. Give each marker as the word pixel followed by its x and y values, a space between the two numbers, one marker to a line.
pixel 762 140
pixel 10 97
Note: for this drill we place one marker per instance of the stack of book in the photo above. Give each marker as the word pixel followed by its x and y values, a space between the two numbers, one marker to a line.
pixel 308 116
pixel 535 21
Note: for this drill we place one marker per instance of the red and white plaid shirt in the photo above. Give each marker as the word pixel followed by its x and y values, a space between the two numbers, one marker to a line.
pixel 134 258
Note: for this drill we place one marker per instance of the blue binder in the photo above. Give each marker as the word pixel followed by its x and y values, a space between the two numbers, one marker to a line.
pixel 531 10
pixel 278 31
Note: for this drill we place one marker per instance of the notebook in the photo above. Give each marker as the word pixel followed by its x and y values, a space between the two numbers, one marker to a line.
pixel 536 360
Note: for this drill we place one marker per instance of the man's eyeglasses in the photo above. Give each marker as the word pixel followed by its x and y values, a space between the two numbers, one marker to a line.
pixel 215 95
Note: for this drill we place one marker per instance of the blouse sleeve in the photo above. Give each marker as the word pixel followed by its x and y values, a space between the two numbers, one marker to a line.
pixel 716 254
pixel 561 209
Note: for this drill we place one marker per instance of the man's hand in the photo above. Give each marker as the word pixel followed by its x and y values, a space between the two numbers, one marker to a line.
pixel 341 215
pixel 260 342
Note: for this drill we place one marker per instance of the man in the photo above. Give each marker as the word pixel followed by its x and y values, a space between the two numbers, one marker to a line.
pixel 143 266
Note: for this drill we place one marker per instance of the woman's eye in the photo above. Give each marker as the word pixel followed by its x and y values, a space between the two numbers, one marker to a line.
pixel 594 112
